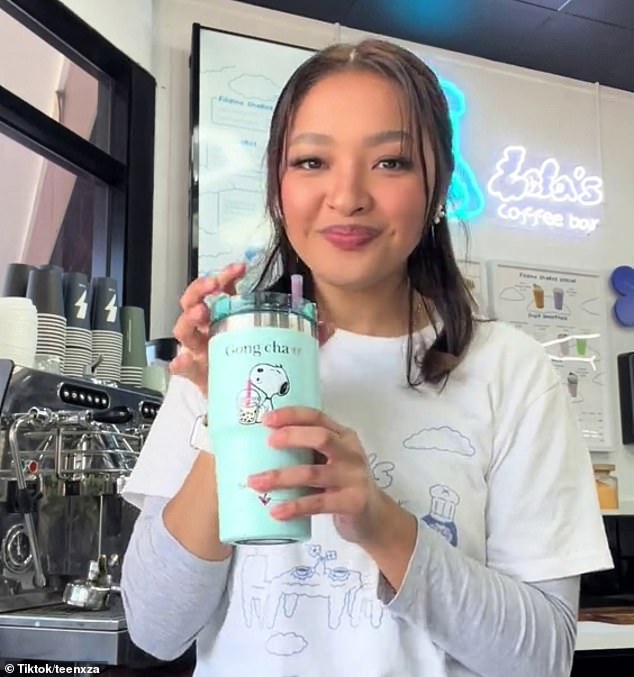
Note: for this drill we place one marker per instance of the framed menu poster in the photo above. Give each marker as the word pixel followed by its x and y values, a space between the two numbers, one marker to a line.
pixel 236 81
pixel 565 311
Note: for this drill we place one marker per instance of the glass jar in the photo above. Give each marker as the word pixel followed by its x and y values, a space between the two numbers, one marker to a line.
pixel 607 486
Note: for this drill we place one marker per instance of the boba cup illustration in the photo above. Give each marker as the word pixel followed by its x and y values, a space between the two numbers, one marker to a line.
pixel 573 384
pixel 538 296
pixel 582 346
pixel 248 406
pixel 265 382
pixel 558 298
pixel 263 355
pixel 564 345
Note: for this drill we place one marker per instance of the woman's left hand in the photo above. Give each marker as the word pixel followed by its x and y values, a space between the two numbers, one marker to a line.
pixel 348 490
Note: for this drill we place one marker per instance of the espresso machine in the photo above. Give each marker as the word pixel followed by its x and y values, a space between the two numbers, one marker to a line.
pixel 67 446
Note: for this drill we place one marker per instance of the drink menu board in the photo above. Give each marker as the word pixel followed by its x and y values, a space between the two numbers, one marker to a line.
pixel 239 81
pixel 565 311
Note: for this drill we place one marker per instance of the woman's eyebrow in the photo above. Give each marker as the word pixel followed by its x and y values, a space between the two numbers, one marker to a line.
pixel 387 136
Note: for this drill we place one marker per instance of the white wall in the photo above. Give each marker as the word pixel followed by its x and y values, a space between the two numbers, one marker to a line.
pixel 127 24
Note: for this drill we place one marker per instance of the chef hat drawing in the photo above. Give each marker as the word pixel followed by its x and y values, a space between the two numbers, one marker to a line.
pixel 443 502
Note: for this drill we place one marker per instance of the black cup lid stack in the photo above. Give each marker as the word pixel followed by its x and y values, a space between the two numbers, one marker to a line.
pixel 79 321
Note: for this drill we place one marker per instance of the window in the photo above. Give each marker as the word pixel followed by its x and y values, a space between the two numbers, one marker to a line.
pixel 43 76
pixel 49 214
pixel 76 149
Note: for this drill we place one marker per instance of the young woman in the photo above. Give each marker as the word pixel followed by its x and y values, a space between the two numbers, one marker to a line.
pixel 457 508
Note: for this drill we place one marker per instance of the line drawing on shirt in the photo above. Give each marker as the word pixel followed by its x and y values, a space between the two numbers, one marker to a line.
pixel 382 471
pixel 442 512
pixel 442 438
pixel 366 605
pixel 344 590
pixel 285 644
pixel 265 382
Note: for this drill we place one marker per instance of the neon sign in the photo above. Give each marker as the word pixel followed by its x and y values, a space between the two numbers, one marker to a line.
pixel 465 199
pixel 544 195
pixel 524 194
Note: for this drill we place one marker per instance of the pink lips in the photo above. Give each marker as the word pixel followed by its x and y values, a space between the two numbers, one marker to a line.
pixel 350 237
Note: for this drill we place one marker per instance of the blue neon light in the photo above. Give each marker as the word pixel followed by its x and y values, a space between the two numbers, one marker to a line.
pixel 466 199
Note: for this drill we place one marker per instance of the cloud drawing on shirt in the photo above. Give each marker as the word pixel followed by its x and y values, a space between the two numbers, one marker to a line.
pixel 382 471
pixel 286 644
pixel 257 87
pixel 511 294
pixel 442 438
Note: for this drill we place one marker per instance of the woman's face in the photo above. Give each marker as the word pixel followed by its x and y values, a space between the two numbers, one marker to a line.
pixel 352 190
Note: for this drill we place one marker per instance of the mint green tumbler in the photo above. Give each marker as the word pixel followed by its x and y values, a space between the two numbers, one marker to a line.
pixel 263 355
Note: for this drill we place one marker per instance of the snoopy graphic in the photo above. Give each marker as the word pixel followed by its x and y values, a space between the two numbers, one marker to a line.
pixel 265 382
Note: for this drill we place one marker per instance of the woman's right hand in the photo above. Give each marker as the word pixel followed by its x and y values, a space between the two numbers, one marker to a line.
pixel 192 327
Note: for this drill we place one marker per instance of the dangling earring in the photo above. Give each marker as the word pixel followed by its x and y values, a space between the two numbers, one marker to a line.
pixel 440 214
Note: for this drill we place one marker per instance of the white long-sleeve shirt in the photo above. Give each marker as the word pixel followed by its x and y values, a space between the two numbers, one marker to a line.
pixel 492 465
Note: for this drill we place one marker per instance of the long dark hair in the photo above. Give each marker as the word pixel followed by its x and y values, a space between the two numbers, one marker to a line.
pixel 431 267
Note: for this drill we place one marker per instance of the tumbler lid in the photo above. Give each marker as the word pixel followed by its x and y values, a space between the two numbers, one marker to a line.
pixel 223 306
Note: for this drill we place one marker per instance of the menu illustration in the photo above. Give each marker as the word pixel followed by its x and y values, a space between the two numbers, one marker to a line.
pixel 565 312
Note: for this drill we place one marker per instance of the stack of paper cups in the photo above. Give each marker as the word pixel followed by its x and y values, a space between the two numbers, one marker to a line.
pixel 107 341
pixel 78 331
pixel 18 337
pixel 134 359
pixel 45 291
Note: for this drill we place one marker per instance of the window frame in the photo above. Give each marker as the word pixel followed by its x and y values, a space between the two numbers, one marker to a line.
pixel 122 238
